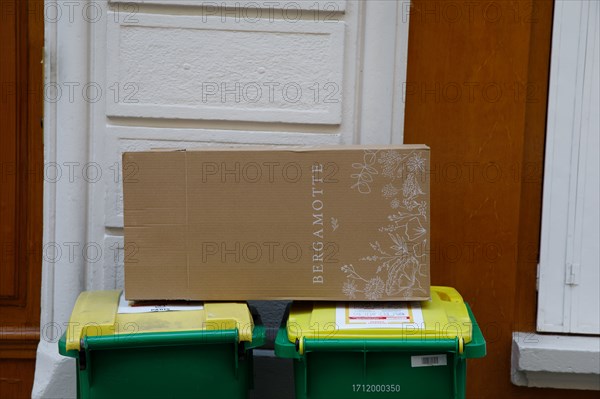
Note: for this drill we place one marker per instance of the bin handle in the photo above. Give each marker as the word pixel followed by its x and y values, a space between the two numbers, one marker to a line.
pixel 138 340
pixel 455 345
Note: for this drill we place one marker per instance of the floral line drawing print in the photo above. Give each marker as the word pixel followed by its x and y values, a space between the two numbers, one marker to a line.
pixel 334 224
pixel 366 171
pixel 389 191
pixel 392 163
pixel 400 265
pixel 401 268
pixel 374 287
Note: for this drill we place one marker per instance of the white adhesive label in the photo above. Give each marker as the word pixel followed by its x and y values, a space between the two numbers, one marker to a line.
pixel 428 361
pixel 379 315
pixel 125 307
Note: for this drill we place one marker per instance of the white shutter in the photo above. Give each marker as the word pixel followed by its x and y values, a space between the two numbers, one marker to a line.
pixel 569 281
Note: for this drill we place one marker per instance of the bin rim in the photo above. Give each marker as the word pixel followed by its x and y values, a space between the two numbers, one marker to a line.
pixel 97 313
pixel 476 348
pixel 174 338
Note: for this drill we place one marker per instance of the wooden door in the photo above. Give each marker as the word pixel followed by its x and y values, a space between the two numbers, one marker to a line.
pixel 21 161
pixel 477 94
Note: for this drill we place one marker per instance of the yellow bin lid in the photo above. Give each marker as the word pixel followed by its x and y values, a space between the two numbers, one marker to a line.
pixel 445 316
pixel 107 313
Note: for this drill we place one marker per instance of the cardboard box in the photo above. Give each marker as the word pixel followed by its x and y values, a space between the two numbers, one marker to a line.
pixel 331 223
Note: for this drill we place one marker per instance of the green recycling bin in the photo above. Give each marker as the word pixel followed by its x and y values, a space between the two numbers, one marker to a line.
pixel 161 351
pixel 381 350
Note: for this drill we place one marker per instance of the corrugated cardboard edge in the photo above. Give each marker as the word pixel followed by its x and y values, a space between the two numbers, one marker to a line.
pixel 290 148
pixel 187 228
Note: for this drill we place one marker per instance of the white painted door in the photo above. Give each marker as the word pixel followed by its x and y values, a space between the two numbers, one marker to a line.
pixel 183 74
pixel 128 75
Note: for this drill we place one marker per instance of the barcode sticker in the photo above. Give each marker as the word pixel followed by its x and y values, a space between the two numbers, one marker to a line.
pixel 428 361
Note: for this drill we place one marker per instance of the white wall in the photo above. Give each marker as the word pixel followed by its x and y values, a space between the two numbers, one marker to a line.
pixel 135 75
